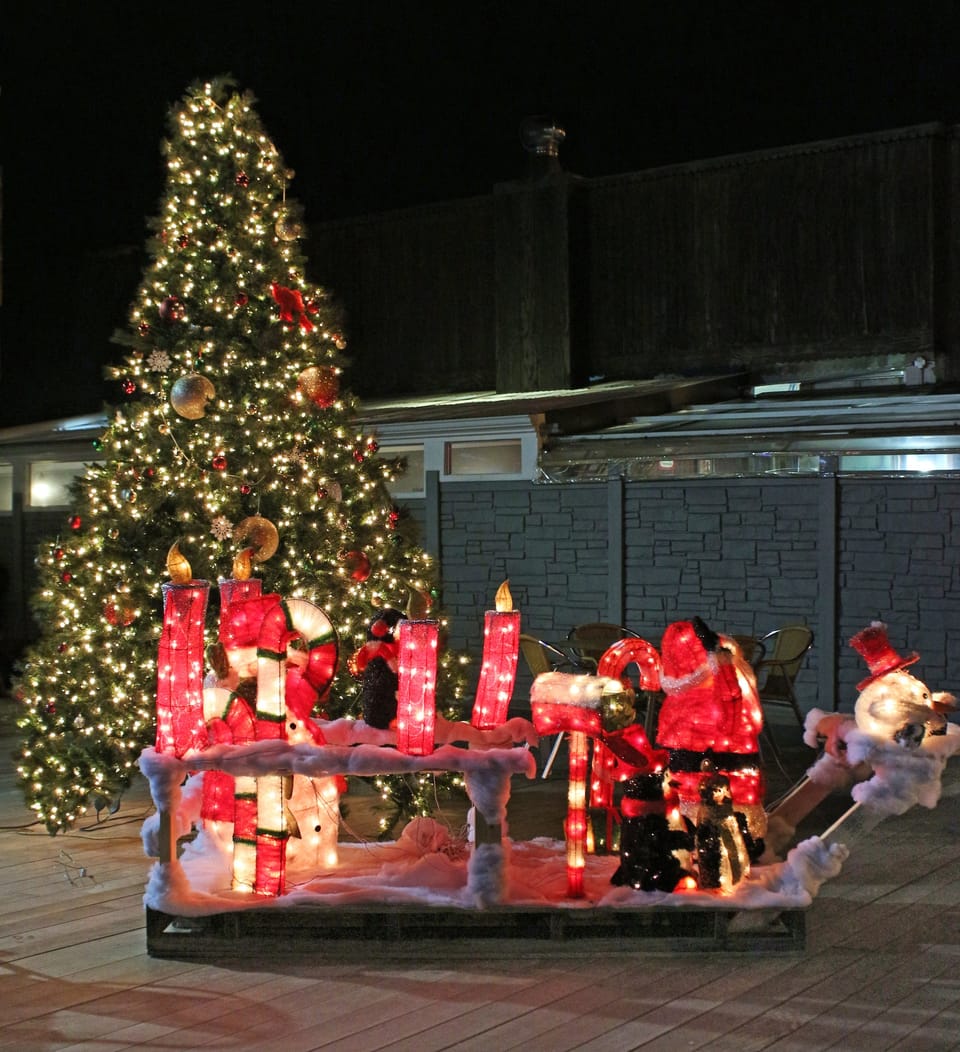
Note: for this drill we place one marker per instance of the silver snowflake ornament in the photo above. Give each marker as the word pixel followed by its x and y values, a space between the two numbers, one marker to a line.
pixel 221 527
pixel 158 361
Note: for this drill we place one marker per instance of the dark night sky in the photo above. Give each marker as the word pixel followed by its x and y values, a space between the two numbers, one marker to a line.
pixel 385 105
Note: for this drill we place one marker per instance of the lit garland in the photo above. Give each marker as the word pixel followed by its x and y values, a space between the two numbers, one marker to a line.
pixel 193 463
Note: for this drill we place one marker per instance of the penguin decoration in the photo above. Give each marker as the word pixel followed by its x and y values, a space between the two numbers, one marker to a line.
pixel 376 664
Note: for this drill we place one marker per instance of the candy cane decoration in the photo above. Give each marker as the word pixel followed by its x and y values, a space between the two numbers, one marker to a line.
pixel 562 701
pixel 283 622
pixel 613 663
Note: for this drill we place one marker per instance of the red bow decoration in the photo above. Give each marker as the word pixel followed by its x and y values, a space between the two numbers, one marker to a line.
pixel 291 306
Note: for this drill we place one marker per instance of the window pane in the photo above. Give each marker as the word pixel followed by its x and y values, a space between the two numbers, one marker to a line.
pixel 901 463
pixel 411 479
pixel 50 482
pixel 484 458
pixel 6 487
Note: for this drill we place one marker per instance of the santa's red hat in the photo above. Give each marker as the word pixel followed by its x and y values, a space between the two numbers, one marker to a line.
pixel 874 647
pixel 684 660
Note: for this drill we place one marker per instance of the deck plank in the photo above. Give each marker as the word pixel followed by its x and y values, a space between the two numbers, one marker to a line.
pixel 878 971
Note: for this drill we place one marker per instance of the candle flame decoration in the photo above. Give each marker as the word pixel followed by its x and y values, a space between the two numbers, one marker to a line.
pixel 178 565
pixel 242 565
pixel 498 669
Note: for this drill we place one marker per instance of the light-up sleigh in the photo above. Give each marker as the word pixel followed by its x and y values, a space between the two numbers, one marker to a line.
pixel 232 777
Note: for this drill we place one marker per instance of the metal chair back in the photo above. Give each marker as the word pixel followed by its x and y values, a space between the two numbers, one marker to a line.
pixel 752 649
pixel 594 638
pixel 542 657
pixel 786 649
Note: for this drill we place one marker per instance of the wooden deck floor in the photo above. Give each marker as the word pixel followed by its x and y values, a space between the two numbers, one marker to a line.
pixel 881 969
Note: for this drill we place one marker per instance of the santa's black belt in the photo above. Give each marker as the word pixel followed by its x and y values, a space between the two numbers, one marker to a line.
pixel 691 761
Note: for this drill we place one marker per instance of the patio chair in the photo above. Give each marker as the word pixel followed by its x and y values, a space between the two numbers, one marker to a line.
pixel 593 639
pixel 777 671
pixel 752 649
pixel 544 657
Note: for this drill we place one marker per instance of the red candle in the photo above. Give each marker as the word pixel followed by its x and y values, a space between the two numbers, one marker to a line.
pixel 416 692
pixel 180 660
pixel 498 670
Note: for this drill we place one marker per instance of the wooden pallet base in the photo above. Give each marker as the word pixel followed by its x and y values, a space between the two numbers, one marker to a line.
pixel 427 933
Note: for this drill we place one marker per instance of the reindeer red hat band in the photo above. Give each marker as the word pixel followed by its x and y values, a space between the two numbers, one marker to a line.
pixel 874 647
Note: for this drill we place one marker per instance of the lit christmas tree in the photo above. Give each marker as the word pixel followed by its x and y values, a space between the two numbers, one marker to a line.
pixel 233 435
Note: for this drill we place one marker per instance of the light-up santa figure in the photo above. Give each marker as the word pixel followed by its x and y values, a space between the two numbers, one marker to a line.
pixel 710 719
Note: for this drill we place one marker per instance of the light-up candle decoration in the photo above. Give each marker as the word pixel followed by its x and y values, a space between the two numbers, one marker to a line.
pixel 180 660
pixel 241 585
pixel 498 670
pixel 416 692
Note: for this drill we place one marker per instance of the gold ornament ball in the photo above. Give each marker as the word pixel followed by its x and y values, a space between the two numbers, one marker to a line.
pixel 190 394
pixel 258 534
pixel 288 228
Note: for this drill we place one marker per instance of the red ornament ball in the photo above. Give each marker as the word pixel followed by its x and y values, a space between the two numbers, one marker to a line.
pixel 372 445
pixel 119 612
pixel 184 241
pixel 358 456
pixel 75 522
pixel 62 648
pixel 171 309
pixel 242 299
pixel 246 489
pixel 242 179
pixel 143 328
pixel 322 492
pixel 129 387
pixel 219 462
pixel 358 564
pixel 320 384
pixel 58 554
pixel 66 577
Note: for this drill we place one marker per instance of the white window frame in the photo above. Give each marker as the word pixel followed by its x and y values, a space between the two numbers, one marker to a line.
pixel 436 437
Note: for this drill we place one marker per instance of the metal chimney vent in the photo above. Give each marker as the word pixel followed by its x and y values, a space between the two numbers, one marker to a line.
pixel 542 136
